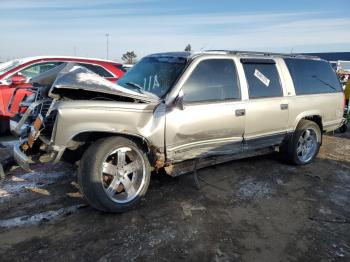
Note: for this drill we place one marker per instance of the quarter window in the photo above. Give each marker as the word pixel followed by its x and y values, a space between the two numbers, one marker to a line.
pixel 97 70
pixel 262 78
pixel 212 80
pixel 312 76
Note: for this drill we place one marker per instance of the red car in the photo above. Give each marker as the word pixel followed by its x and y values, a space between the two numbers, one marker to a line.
pixel 17 73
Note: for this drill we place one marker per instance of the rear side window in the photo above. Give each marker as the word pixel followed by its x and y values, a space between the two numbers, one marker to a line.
pixel 212 80
pixel 97 69
pixel 312 76
pixel 37 69
pixel 262 78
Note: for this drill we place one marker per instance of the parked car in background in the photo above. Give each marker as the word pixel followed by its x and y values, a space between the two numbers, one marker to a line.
pixel 17 73
pixel 127 67
pixel 177 112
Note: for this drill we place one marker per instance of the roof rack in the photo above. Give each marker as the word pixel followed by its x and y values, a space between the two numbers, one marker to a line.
pixel 236 52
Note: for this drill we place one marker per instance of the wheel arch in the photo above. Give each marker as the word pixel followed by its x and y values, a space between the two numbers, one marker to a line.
pixel 313 116
pixel 81 141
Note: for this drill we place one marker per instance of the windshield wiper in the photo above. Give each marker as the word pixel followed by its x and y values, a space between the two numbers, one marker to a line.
pixel 325 83
pixel 137 86
pixel 141 90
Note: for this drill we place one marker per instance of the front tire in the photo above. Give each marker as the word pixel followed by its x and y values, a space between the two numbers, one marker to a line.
pixel 303 146
pixel 114 174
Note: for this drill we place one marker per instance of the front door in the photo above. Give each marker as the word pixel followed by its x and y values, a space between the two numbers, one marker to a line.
pixel 212 119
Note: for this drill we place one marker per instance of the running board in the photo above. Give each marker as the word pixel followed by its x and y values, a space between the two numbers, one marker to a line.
pixel 187 166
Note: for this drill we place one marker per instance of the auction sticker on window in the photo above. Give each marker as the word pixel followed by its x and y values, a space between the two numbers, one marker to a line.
pixel 262 77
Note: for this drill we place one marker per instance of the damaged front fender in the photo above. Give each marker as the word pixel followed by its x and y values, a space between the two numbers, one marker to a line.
pixel 140 120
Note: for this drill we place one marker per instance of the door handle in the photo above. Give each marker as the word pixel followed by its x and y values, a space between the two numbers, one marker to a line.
pixel 240 112
pixel 284 106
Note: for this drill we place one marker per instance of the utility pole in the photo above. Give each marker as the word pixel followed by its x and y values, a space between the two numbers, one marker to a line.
pixel 107 45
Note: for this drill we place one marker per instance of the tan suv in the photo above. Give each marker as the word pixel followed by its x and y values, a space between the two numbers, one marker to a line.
pixel 176 112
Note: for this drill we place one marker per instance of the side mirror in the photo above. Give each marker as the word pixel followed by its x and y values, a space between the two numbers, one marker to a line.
pixel 179 101
pixel 18 80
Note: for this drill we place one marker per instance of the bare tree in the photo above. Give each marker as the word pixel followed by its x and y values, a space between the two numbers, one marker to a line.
pixel 129 57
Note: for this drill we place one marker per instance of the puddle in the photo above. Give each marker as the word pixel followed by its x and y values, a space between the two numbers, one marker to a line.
pixel 38 218
pixel 17 184
pixel 10 143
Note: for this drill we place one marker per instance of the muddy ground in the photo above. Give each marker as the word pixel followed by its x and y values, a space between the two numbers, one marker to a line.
pixel 256 209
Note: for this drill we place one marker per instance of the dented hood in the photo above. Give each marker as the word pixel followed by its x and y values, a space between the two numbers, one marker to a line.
pixel 77 77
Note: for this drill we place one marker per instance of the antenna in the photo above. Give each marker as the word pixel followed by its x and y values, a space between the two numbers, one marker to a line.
pixel 107 46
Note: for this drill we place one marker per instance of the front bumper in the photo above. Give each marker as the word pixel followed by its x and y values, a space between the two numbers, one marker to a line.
pixel 22 160
pixel 28 127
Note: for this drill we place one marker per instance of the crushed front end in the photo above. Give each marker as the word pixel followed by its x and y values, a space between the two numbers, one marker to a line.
pixel 37 128
pixel 34 129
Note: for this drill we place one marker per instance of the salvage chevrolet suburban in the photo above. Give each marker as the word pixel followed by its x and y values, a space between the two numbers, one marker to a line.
pixel 176 112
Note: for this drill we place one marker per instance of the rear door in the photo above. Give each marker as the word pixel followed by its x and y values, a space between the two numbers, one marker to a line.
pixel 211 121
pixel 267 109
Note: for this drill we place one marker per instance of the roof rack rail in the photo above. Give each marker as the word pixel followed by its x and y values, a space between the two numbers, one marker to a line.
pixel 237 52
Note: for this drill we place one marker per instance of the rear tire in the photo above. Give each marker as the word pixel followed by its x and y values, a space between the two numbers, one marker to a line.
pixel 114 174
pixel 343 128
pixel 303 146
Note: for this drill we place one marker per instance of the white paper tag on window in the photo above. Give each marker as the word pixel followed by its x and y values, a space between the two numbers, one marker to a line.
pixel 261 77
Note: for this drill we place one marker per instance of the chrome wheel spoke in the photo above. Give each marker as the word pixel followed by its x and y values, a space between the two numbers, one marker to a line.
pixel 121 158
pixel 304 152
pixel 130 168
pixel 299 149
pixel 307 134
pixel 128 186
pixel 109 169
pixel 112 188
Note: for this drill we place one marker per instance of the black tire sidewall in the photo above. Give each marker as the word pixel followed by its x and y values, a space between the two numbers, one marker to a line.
pixel 90 174
pixel 343 128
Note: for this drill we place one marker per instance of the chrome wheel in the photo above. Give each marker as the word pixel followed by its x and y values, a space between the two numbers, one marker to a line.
pixel 123 174
pixel 307 145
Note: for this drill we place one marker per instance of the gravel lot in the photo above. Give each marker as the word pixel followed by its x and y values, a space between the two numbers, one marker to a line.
pixel 256 209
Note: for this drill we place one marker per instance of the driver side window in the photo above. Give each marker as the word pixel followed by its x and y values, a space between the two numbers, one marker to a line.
pixel 38 69
pixel 212 80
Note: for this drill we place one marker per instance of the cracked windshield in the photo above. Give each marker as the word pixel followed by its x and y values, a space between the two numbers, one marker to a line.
pixel 154 74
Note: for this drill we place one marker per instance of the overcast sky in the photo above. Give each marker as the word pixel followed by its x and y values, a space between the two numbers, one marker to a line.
pixel 50 27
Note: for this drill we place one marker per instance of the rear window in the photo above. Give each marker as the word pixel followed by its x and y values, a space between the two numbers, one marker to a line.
pixel 312 76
